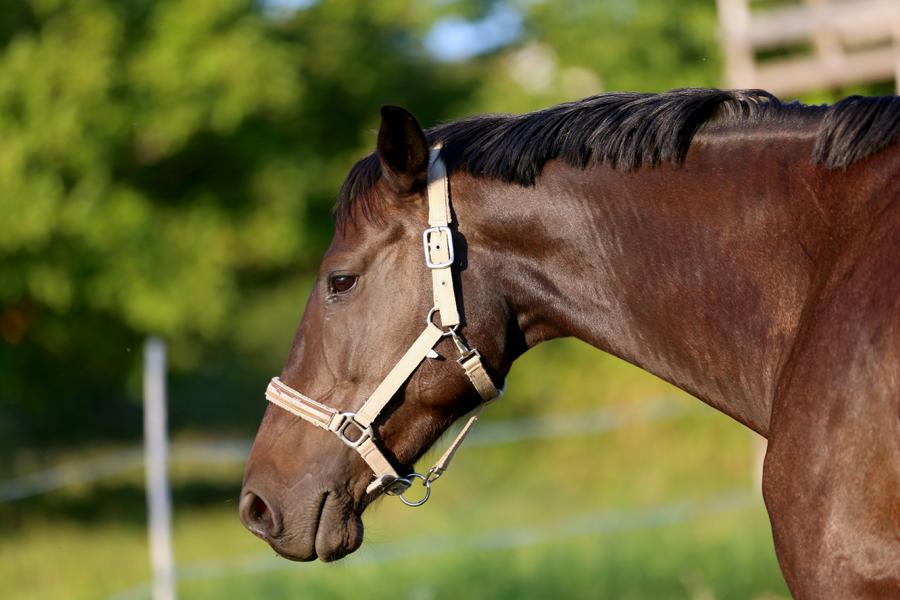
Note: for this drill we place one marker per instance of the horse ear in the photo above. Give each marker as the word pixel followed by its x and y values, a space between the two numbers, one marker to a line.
pixel 402 150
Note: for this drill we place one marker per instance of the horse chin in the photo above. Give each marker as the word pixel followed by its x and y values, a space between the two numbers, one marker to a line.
pixel 334 542
pixel 329 536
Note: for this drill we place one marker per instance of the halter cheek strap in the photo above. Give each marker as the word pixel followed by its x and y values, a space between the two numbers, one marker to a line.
pixel 355 429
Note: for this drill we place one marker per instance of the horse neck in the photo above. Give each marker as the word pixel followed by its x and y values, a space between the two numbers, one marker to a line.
pixel 696 273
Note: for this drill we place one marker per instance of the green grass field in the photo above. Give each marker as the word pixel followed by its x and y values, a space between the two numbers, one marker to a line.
pixel 658 509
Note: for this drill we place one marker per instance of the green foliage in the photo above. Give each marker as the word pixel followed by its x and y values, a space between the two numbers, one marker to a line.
pixel 169 167
pixel 97 119
pixel 577 48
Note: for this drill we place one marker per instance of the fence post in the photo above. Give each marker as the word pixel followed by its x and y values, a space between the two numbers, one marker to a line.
pixel 159 500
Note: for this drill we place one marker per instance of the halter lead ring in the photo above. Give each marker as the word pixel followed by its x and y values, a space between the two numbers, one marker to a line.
pixel 407 481
pixel 437 241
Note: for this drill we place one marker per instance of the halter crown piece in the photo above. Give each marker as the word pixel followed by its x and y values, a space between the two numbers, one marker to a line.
pixel 355 429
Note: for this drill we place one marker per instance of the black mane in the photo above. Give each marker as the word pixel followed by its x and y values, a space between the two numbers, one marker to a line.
pixel 629 130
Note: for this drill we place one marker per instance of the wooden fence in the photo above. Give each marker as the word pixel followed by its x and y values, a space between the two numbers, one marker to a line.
pixel 813 44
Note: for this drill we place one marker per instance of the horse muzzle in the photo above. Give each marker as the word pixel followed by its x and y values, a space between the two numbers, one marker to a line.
pixel 325 526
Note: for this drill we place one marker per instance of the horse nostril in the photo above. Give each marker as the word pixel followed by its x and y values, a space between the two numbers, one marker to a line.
pixel 258 517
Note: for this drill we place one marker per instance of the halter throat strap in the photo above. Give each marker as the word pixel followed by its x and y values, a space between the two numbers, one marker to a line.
pixel 355 429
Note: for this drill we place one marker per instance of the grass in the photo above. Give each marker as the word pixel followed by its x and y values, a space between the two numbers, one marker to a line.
pixel 581 521
pixel 684 561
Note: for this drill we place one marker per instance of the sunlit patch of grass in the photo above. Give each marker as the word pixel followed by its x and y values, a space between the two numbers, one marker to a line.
pixel 724 556
pixel 89 542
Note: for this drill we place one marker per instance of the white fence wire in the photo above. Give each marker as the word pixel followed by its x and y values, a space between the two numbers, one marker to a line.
pixel 488 433
pixel 582 525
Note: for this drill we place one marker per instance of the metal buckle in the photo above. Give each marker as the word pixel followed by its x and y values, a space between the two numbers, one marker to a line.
pixel 399 487
pixel 467 354
pixel 426 235
pixel 365 433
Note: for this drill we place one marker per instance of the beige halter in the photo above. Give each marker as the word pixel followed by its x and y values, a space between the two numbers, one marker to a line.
pixel 437 240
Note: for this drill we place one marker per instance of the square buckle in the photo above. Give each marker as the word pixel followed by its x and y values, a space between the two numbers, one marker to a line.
pixel 365 433
pixel 426 243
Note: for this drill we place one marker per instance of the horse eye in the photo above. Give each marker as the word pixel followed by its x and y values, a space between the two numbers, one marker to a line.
pixel 341 284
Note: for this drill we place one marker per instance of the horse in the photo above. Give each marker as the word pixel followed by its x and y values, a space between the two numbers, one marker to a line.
pixel 744 249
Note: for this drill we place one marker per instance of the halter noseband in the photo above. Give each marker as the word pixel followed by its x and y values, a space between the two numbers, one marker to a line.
pixel 437 241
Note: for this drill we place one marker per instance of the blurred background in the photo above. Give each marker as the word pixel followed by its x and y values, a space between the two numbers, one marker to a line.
pixel 168 168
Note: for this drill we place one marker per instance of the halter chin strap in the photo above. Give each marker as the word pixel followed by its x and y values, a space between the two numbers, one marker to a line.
pixel 355 429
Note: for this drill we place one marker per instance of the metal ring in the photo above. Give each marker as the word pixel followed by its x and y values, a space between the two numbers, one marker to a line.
pixel 425 482
pixel 429 320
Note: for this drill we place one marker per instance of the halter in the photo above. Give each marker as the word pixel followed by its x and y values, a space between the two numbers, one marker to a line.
pixel 355 429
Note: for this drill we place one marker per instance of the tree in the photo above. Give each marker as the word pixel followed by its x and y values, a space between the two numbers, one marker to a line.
pixel 168 167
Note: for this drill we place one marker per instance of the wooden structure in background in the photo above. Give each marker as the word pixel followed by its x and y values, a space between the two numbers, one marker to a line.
pixel 839 42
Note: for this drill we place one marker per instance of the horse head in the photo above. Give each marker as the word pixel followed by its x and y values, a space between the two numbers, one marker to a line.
pixel 304 490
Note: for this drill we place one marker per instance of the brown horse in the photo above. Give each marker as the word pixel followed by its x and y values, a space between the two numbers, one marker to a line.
pixel 746 250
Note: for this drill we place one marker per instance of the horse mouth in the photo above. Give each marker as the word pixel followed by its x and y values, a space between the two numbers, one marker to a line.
pixel 328 532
